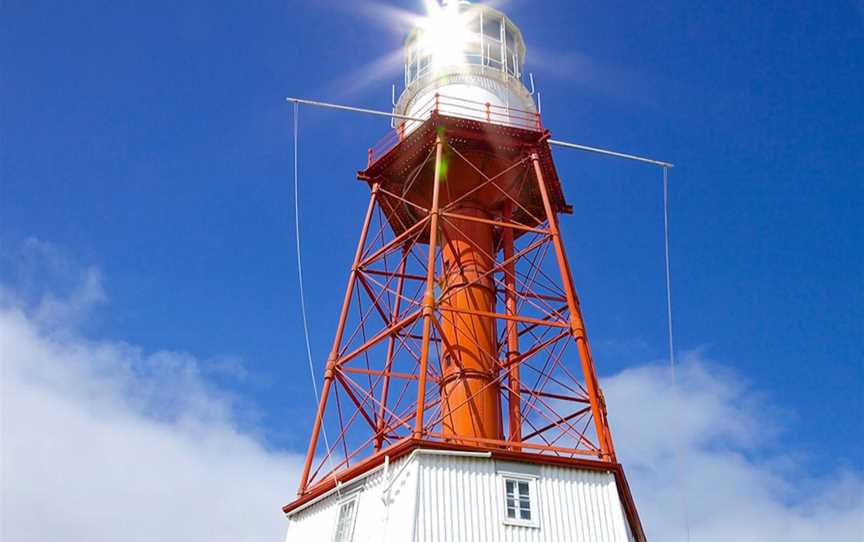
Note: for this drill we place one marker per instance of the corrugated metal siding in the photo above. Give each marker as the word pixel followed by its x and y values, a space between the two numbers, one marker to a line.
pixel 461 501
pixel 313 523
pixel 580 505
pixel 439 498
pixel 374 522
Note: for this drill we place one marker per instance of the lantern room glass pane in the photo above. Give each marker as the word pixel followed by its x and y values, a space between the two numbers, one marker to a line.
pixel 411 69
pixel 424 64
pixel 492 26
pixel 513 65
pixel 493 54
pixel 472 53
pixel 473 25
pixel 491 41
pixel 510 37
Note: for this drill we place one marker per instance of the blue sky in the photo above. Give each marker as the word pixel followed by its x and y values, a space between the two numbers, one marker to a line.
pixel 152 141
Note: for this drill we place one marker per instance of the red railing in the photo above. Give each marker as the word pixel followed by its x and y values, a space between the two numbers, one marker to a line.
pixel 457 107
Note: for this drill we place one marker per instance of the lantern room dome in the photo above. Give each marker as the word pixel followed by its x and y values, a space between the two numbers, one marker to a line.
pixel 464 51
pixel 464 34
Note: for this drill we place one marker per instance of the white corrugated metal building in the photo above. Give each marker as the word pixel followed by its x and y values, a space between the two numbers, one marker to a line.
pixel 436 495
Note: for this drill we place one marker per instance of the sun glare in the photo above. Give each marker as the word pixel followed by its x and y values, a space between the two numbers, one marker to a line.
pixel 444 33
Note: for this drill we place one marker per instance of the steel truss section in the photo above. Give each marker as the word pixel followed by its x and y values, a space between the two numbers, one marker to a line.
pixel 384 372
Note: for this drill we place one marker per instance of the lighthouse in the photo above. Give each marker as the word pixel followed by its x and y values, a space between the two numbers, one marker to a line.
pixel 460 399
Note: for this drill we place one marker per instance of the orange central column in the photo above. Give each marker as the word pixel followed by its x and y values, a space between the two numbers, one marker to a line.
pixel 470 396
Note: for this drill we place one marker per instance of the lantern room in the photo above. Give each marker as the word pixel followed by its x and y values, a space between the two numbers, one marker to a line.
pixel 470 57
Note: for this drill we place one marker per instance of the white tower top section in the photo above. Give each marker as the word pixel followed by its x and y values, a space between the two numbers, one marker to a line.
pixel 470 55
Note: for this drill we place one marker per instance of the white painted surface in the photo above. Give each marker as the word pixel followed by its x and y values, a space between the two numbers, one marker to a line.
pixel 461 500
pixel 464 93
pixel 437 498
pixel 375 521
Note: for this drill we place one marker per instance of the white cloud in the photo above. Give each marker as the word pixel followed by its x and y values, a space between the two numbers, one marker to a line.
pixel 744 477
pixel 100 441
pixel 51 287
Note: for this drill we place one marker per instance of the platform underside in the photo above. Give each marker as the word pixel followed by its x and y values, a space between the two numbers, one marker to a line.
pixel 475 149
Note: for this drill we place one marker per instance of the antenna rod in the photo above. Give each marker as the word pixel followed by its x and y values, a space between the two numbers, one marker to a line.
pixel 556 142
pixel 354 109
pixel 610 153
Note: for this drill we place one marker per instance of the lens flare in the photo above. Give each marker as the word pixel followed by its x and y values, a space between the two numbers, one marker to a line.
pixel 444 33
pixel 447 37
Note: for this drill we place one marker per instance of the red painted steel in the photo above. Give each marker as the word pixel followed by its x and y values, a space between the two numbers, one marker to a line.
pixel 429 295
pixel 514 385
pixel 460 322
pixel 470 362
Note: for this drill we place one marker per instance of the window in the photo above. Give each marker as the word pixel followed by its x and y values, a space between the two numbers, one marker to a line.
pixel 510 37
pixel 492 26
pixel 520 501
pixel 411 66
pixel 493 54
pixel 473 24
pixel 345 521
pixel 425 63
pixel 473 53
pixel 513 67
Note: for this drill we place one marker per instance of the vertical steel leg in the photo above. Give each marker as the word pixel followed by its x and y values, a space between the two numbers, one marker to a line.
pixel 514 399
pixel 337 341
pixel 577 325
pixel 429 297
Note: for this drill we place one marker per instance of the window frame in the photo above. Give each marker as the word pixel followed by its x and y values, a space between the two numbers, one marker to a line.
pixel 533 499
pixel 411 62
pixel 354 498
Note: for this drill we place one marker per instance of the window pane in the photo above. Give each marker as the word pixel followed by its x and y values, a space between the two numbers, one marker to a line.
pixel 472 52
pixel 473 25
pixel 517 500
pixel 510 37
pixel 344 522
pixel 493 54
pixel 424 63
pixel 492 26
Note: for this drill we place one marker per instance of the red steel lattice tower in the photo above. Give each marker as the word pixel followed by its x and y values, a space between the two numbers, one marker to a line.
pixel 461 328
